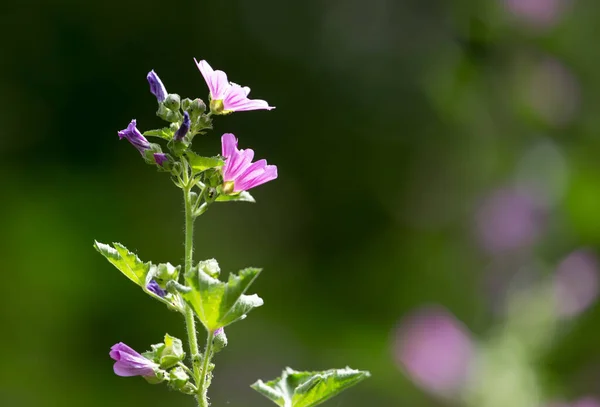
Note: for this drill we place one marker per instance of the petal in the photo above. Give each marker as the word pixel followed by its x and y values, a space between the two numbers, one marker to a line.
pixel 228 144
pixel 246 90
pixel 237 101
pixel 117 348
pixel 216 80
pixel 124 370
pixel 237 164
pixel 269 173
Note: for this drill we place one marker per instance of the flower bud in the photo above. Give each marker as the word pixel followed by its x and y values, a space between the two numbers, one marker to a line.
pixel 219 340
pixel 173 101
pixel 167 272
pixel 197 107
pixel 167 114
pixel 210 267
pixel 155 288
pixel 185 103
pixel 156 86
pixel 172 353
pixel 183 130
pixel 160 158
pixel 178 378
pixel 130 363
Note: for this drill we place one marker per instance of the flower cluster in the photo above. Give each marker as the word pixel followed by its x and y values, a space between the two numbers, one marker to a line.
pixel 237 171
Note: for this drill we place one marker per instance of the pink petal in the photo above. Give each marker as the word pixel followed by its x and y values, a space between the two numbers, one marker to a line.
pixel 228 144
pixel 216 80
pixel 269 174
pixel 236 100
pixel 237 164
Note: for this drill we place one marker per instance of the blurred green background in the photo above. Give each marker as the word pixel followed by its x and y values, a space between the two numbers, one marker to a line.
pixel 397 121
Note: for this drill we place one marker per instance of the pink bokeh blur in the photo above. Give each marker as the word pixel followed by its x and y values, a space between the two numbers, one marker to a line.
pixel 435 350
pixel 576 283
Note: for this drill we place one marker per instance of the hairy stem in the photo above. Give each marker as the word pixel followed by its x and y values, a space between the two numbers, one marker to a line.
pixel 190 322
pixel 203 384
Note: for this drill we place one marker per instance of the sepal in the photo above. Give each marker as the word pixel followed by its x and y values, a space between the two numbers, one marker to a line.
pixel 308 389
pixel 243 196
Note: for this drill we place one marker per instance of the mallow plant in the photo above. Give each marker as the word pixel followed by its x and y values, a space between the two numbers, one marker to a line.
pixel 197 290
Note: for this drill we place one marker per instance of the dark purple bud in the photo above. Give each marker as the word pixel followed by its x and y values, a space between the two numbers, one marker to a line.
pixel 184 128
pixel 155 288
pixel 133 135
pixel 156 86
pixel 130 363
pixel 160 159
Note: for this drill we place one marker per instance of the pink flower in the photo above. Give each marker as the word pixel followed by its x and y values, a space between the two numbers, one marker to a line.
pixel 239 173
pixel 227 97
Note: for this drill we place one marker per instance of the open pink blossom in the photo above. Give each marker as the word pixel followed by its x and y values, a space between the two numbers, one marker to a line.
pixel 227 97
pixel 239 172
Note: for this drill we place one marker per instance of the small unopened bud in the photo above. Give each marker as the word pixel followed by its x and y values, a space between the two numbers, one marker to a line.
pixel 197 107
pixel 178 378
pixel 210 267
pixel 173 101
pixel 219 340
pixel 185 103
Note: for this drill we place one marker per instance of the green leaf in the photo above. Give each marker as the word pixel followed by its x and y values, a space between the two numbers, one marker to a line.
pixel 127 262
pixel 243 196
pixel 165 133
pixel 307 389
pixel 200 163
pixel 218 304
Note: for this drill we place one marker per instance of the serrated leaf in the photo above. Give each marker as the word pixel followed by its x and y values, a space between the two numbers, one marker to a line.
pixel 308 389
pixel 200 163
pixel 218 304
pixel 125 261
pixel 165 133
pixel 243 196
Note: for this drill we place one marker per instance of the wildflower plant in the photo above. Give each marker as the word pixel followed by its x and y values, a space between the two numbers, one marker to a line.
pixel 196 290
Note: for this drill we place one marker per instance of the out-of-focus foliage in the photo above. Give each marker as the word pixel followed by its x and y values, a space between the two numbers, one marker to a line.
pixel 429 152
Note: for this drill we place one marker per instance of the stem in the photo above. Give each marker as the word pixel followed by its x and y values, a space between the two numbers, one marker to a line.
pixel 200 366
pixel 203 384
pixel 190 322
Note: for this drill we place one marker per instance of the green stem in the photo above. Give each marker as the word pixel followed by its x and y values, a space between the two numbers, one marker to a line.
pixel 190 322
pixel 203 384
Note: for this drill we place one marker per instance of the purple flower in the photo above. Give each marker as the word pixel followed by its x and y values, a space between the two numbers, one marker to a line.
pixel 218 331
pixel 155 288
pixel 156 86
pixel 239 173
pixel 227 97
pixel 160 158
pixel 133 135
pixel 130 363
pixel 184 128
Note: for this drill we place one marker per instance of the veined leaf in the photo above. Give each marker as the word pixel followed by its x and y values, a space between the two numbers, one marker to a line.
pixel 200 163
pixel 217 303
pixel 127 262
pixel 308 389
pixel 165 133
